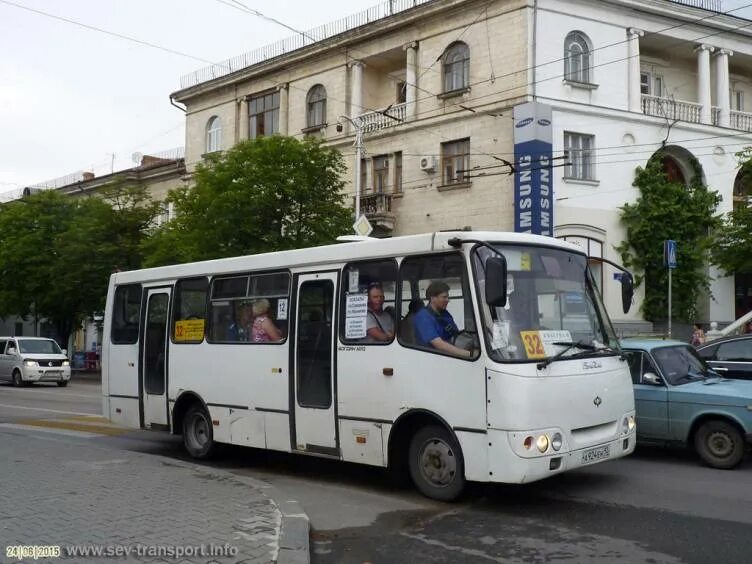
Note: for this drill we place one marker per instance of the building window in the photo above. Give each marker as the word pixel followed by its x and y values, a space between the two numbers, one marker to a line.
pixel 455 161
pixel 263 113
pixel 456 67
pixel 737 100
pixel 577 58
pixel 651 85
pixel 578 155
pixel 380 174
pixel 316 102
pixel 401 92
pixel 213 135
pixel 398 173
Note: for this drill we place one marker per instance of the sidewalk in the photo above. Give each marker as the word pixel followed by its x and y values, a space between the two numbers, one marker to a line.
pixel 73 494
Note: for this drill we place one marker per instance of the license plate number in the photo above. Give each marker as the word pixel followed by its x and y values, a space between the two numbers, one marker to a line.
pixel 53 373
pixel 596 454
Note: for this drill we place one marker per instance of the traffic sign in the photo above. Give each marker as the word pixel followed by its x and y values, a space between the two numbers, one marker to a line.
pixel 669 253
pixel 363 227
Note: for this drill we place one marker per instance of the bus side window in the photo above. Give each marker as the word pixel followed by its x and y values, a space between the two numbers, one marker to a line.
pixel 189 310
pixel 368 302
pixel 126 314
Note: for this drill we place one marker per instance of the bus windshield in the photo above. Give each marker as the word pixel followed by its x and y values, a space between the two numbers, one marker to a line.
pixel 552 304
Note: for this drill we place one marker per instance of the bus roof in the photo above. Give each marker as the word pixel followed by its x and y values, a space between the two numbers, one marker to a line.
pixel 341 252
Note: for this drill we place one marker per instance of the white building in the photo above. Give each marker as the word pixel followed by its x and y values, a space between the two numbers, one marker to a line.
pixel 434 84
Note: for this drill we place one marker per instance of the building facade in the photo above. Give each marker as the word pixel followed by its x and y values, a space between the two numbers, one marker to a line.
pixel 432 85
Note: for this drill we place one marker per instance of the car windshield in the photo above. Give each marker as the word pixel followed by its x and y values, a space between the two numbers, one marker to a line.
pixel 38 346
pixel 552 305
pixel 680 364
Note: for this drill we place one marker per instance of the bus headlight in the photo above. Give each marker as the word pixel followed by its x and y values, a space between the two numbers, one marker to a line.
pixel 556 441
pixel 528 443
pixel 66 363
pixel 542 443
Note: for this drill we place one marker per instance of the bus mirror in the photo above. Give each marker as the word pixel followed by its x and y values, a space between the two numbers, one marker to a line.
pixel 496 281
pixel 627 291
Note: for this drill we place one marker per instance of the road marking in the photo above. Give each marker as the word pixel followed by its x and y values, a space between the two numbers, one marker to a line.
pixel 81 434
pixel 88 426
pixel 44 409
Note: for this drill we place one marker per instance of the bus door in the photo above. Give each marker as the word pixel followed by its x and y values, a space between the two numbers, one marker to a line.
pixel 313 374
pixel 154 358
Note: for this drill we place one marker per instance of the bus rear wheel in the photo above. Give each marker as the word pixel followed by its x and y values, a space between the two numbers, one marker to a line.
pixel 198 434
pixel 436 464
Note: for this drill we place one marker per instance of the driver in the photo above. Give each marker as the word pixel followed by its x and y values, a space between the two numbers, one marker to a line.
pixel 434 325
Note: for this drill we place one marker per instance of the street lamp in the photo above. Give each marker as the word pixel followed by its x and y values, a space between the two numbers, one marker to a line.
pixel 357 123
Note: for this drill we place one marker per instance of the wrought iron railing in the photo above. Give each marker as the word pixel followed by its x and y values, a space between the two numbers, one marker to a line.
pixel 381 119
pixel 371 204
pixel 671 109
pixel 304 39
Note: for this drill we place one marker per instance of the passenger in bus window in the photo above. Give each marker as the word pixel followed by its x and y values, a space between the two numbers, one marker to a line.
pixel 240 330
pixel 263 329
pixel 434 325
pixel 380 323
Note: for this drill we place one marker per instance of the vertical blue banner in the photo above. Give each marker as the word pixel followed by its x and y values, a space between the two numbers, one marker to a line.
pixel 533 151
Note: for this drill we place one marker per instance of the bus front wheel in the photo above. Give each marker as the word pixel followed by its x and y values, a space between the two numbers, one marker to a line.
pixel 436 464
pixel 198 435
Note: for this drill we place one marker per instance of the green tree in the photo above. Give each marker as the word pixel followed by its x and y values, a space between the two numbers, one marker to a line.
pixel 57 252
pixel 732 249
pixel 669 210
pixel 268 194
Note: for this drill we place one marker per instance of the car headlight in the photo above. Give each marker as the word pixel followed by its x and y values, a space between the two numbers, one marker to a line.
pixel 542 443
pixel 66 363
pixel 30 363
pixel 556 441
pixel 628 424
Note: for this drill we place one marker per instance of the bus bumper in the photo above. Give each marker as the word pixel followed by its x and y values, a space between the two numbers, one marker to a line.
pixel 508 467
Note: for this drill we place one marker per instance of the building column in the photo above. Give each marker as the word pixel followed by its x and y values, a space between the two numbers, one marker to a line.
pixel 722 86
pixel 703 83
pixel 284 105
pixel 356 88
pixel 633 74
pixel 411 79
pixel 243 125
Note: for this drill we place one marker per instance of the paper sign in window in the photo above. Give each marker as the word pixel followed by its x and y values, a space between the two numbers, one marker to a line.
pixel 189 330
pixel 356 310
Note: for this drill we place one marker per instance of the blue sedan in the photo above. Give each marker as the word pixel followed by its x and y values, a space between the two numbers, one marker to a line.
pixel 681 400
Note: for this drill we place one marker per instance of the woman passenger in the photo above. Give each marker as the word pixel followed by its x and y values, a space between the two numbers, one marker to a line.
pixel 263 330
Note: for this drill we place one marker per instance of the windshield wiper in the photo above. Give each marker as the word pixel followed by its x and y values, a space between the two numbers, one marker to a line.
pixel 568 346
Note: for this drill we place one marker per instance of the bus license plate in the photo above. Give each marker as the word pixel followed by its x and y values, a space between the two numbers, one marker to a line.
pixel 596 454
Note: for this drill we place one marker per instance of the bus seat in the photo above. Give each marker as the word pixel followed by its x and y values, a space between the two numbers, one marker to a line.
pixel 407 331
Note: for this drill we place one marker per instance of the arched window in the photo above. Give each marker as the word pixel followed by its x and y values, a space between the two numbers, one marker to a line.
pixel 213 134
pixel 316 106
pixel 456 67
pixel 577 58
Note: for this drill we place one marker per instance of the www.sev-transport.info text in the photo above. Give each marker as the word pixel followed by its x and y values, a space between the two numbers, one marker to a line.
pixel 38 552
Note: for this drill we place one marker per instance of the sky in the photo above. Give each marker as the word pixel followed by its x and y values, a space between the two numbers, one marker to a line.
pixel 74 99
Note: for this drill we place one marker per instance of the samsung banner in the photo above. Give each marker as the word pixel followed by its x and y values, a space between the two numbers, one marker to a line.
pixel 533 190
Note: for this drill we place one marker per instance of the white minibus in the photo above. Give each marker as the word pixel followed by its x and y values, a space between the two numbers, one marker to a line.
pixel 457 356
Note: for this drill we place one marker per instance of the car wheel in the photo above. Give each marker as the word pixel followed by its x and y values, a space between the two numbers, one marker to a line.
pixel 17 380
pixel 198 434
pixel 436 464
pixel 63 383
pixel 719 444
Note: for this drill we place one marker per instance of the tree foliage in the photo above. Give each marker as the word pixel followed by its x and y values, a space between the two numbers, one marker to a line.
pixel 57 252
pixel 732 249
pixel 669 210
pixel 268 194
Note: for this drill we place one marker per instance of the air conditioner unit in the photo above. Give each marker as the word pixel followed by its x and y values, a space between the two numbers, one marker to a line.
pixel 428 163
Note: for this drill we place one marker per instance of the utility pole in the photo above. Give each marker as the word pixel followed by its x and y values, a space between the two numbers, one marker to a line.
pixel 357 123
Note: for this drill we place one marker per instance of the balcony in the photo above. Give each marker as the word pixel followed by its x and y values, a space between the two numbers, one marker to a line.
pixel 378 209
pixel 741 120
pixel 383 119
pixel 671 109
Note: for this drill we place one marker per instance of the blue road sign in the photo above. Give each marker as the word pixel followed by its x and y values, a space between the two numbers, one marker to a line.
pixel 669 253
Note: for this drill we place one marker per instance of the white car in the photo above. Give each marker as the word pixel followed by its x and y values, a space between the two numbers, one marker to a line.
pixel 25 360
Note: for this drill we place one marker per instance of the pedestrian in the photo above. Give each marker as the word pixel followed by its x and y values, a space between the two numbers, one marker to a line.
pixel 698 336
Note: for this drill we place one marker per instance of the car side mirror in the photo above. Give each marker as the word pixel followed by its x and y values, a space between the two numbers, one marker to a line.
pixel 651 379
pixel 496 281
pixel 627 291
pixel 65 352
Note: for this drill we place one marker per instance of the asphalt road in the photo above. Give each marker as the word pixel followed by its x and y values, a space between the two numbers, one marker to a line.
pixel 655 506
